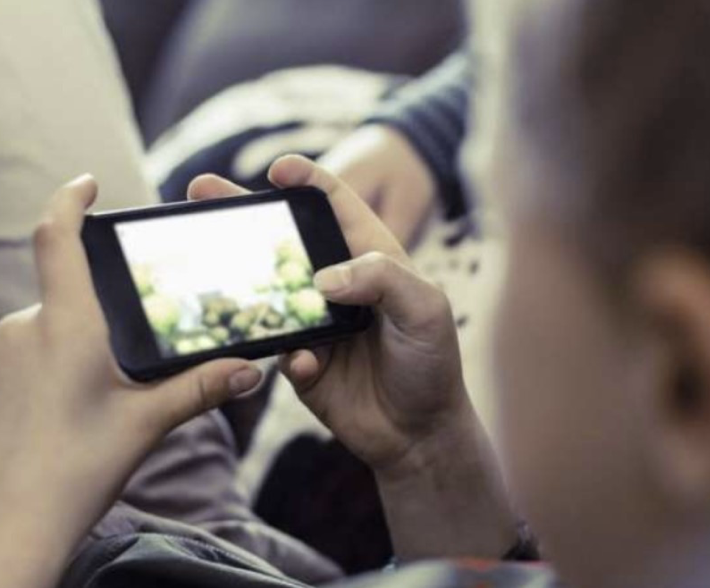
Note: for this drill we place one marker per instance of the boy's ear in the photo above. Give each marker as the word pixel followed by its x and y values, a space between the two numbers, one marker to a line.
pixel 672 291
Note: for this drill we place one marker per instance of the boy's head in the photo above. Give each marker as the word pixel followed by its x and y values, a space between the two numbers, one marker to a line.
pixel 597 150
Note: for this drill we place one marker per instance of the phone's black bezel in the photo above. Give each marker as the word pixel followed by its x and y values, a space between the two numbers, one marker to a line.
pixel 132 338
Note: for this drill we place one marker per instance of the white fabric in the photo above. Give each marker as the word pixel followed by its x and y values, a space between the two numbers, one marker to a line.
pixel 64 111
pixel 327 103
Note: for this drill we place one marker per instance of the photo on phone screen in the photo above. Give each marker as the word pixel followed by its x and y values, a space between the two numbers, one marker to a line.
pixel 222 277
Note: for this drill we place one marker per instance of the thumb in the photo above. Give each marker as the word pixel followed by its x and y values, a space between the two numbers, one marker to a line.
pixel 412 304
pixel 203 388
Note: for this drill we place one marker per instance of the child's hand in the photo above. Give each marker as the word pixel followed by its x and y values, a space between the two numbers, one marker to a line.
pixel 390 390
pixel 384 169
pixel 72 426
pixel 395 394
pixel 385 391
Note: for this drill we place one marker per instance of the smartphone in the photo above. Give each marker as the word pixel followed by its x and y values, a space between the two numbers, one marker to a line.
pixel 184 283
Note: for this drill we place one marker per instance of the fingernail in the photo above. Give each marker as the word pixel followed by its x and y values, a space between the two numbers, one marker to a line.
pixel 82 179
pixel 244 380
pixel 334 279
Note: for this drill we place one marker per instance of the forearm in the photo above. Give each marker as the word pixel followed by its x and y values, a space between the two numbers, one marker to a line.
pixel 39 531
pixel 432 112
pixel 447 499
pixel 31 556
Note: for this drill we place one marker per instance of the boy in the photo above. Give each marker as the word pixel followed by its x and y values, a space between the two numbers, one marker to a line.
pixel 601 344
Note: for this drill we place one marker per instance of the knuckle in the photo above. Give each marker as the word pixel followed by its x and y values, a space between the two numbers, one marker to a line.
pixel 204 400
pixel 440 304
pixel 46 234
pixel 378 268
pixel 84 320
pixel 323 179
pixel 437 311
pixel 387 268
pixel 378 261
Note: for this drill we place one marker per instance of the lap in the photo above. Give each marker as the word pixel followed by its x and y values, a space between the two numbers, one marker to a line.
pixel 188 487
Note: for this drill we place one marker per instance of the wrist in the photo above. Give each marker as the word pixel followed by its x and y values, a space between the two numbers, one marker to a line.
pixel 453 433
pixel 445 497
pixel 34 547
pixel 43 519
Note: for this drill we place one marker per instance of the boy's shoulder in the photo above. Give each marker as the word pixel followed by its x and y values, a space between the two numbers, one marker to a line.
pixel 462 574
pixel 146 560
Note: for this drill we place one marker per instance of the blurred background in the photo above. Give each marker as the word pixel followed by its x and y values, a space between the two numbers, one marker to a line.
pixel 177 53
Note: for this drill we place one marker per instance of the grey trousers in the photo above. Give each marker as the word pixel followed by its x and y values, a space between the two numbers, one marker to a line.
pixel 188 487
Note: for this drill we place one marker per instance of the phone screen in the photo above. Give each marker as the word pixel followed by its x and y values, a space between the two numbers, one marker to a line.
pixel 217 278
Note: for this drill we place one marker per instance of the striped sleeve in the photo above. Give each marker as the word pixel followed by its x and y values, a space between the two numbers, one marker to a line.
pixel 432 113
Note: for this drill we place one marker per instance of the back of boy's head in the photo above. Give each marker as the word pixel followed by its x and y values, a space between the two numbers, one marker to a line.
pixel 596 139
pixel 616 95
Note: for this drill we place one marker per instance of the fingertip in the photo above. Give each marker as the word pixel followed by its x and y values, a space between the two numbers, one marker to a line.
pixel 334 280
pixel 197 188
pixel 245 380
pixel 67 207
pixel 85 179
pixel 220 380
pixel 291 171
pixel 209 186
pixel 284 363
pixel 299 366
pixel 84 188
pixel 304 365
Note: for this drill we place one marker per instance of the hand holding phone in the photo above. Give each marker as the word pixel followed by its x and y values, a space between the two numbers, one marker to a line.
pixel 188 282
pixel 395 394
pixel 382 391
pixel 72 426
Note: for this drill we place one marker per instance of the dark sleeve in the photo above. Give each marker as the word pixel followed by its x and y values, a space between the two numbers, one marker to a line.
pixel 432 113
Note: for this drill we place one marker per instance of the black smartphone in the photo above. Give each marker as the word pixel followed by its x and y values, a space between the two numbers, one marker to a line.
pixel 184 283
